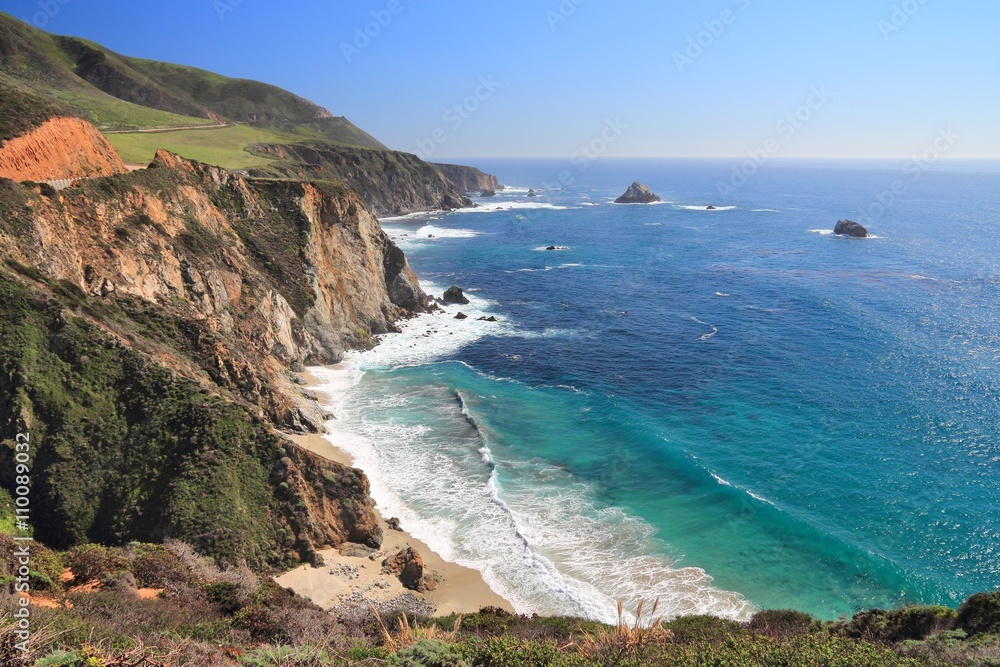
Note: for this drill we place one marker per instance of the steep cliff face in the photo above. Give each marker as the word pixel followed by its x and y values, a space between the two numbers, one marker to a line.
pixel 293 271
pixel 124 449
pixel 60 148
pixel 390 182
pixel 469 179
pixel 149 323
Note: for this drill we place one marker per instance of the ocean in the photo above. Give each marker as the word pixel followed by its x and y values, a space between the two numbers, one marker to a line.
pixel 726 409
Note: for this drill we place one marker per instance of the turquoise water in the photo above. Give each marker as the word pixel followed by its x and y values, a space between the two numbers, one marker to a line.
pixel 725 409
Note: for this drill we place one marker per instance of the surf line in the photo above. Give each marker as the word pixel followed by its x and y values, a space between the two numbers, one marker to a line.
pixel 707 336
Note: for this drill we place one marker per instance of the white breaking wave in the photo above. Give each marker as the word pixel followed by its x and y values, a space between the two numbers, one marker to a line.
pixel 428 231
pixel 487 206
pixel 707 336
pixel 535 532
pixel 822 232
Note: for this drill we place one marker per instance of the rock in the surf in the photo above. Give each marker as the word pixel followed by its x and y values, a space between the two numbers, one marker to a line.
pixel 637 193
pixel 455 295
pixel 850 228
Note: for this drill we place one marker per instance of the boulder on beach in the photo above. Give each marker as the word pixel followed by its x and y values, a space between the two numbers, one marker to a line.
pixel 455 295
pixel 637 193
pixel 850 228
pixel 409 567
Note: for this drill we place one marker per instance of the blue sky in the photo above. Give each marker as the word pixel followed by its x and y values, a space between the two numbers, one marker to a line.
pixel 858 78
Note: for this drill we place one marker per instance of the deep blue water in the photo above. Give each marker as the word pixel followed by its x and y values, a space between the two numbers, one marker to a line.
pixel 689 403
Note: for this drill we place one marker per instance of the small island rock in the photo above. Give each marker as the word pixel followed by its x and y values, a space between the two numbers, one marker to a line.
pixel 488 193
pixel 637 193
pixel 850 228
pixel 532 193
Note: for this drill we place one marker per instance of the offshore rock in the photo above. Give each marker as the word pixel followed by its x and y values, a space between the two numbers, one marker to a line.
pixel 455 295
pixel 637 193
pixel 850 228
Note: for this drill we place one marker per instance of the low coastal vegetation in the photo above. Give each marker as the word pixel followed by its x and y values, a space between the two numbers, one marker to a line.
pixel 224 146
pixel 163 604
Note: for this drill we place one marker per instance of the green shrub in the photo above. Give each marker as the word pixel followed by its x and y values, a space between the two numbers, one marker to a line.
pixel 226 596
pixel 59 659
pixel 980 614
pixel 890 627
pixel 692 629
pixel 429 653
pixel 91 561
pixel 781 624
pixel 156 567
pixel 487 621
pixel 507 651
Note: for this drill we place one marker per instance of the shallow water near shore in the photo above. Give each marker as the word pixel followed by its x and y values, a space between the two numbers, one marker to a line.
pixel 724 409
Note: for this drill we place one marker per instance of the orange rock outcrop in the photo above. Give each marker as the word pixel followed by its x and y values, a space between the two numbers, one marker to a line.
pixel 59 149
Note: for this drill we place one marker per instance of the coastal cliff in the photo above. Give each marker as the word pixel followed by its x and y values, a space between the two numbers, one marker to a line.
pixel 470 179
pixel 391 183
pixel 151 321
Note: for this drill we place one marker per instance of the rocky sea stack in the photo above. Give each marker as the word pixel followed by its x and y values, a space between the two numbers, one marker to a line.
pixel 455 295
pixel 850 228
pixel 637 193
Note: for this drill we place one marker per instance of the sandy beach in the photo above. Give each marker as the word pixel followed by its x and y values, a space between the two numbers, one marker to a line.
pixel 351 576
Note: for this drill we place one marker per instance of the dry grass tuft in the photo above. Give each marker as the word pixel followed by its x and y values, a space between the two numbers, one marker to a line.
pixel 409 633
pixel 625 641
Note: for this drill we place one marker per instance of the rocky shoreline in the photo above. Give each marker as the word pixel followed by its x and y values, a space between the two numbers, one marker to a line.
pixel 352 579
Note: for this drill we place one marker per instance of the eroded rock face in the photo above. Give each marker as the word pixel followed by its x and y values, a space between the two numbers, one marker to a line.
pixel 637 193
pixel 60 148
pixel 850 228
pixel 275 273
pixel 340 509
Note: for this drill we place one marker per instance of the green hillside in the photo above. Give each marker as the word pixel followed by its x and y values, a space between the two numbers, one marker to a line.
pixel 224 146
pixel 117 92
